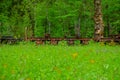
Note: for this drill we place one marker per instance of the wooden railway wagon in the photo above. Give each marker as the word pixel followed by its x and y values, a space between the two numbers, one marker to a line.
pixel 112 38
pixel 71 41
pixel 117 36
pixel 9 40
pixel 55 41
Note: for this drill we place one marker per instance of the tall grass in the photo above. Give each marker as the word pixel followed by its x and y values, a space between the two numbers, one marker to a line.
pixel 62 62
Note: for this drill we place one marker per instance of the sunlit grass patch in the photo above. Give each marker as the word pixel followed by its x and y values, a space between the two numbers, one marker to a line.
pixel 62 62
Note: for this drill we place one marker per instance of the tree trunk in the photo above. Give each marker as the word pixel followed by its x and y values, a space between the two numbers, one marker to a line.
pixel 99 26
pixel 77 28
pixel 108 26
pixel 108 22
pixel 25 36
pixel 33 30
pixel 0 29
pixel 49 24
pixel 32 22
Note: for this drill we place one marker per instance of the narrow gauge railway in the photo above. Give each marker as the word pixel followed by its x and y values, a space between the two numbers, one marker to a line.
pixel 9 40
pixel 71 41
pixel 55 40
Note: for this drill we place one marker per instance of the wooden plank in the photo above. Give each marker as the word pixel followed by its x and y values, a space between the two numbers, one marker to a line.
pixel 39 42
pixel 53 41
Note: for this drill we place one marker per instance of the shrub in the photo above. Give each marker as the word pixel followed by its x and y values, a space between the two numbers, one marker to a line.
pixel 62 43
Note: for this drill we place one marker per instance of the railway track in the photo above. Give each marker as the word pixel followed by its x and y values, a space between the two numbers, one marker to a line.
pixel 9 40
pixel 70 41
pixel 55 41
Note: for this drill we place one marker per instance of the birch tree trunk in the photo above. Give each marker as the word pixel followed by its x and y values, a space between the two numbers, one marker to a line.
pixel 99 26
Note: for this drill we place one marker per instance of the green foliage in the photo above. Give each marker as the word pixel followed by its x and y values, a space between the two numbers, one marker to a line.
pixel 77 42
pixel 91 42
pixel 113 19
pixel 57 17
pixel 62 43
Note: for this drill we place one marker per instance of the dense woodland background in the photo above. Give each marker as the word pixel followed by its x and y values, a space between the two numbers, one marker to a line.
pixel 56 17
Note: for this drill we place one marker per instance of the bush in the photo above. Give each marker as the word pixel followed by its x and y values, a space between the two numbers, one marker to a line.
pixel 62 43
pixel 77 42
pixel 91 42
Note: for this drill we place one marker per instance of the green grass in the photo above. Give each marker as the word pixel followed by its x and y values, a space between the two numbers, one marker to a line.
pixel 48 62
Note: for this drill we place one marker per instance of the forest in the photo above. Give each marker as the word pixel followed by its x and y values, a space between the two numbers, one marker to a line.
pixel 58 18
pixel 59 39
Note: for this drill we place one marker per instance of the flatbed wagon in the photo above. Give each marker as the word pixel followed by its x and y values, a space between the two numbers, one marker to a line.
pixel 70 41
pixel 56 40
pixel 9 40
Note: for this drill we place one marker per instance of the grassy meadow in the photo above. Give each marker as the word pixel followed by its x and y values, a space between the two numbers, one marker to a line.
pixel 48 62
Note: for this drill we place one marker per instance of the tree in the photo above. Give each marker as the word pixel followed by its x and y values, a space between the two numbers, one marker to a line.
pixel 59 18
pixel 99 26
pixel 111 21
